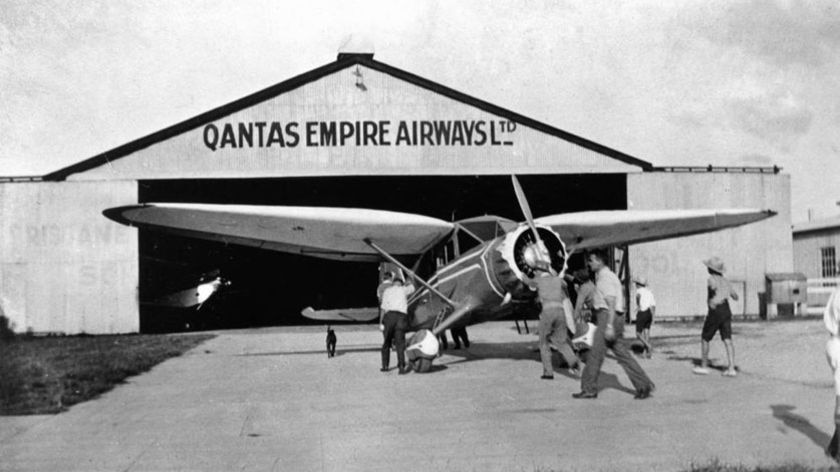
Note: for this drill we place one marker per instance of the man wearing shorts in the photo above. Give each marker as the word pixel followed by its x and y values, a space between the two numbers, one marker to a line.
pixel 646 306
pixel 719 317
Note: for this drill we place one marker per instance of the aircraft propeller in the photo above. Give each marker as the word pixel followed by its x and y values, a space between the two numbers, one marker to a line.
pixel 542 252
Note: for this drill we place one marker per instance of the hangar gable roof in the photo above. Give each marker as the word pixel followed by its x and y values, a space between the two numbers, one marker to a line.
pixel 353 116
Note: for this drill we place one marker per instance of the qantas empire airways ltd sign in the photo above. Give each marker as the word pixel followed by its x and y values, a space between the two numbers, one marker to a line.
pixel 312 134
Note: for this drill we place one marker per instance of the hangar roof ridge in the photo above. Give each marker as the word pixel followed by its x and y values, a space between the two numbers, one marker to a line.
pixel 344 60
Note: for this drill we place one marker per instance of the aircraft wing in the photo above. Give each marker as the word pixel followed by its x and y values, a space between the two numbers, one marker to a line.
pixel 327 232
pixel 341 314
pixel 593 229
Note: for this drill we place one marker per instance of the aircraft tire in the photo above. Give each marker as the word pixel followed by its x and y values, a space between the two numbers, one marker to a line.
pixel 421 365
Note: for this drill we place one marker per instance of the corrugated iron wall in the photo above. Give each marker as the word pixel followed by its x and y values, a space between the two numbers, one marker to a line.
pixel 65 268
pixel 674 268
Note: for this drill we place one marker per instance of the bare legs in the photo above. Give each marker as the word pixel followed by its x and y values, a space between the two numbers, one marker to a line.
pixel 730 356
pixel 644 337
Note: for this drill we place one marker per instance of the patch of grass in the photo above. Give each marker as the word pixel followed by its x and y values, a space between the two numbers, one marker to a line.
pixel 47 375
pixel 715 466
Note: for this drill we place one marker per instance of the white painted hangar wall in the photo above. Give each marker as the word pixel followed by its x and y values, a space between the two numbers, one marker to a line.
pixel 674 268
pixel 390 127
pixel 64 267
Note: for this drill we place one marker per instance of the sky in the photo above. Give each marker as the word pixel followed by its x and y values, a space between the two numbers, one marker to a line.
pixel 734 83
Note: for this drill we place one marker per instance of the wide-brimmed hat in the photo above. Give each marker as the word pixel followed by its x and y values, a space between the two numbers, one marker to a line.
pixel 715 264
pixel 640 280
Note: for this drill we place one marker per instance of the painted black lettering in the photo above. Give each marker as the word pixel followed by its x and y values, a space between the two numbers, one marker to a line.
pixel 328 134
pixel 426 131
pixel 468 130
pixel 384 129
pixel 275 135
pixel 311 131
pixel 211 136
pixel 370 133
pixel 442 130
pixel 260 125
pixel 402 134
pixel 291 131
pixel 480 133
pixel 346 131
pixel 358 133
pixel 457 134
pixel 246 133
pixel 493 141
pixel 228 136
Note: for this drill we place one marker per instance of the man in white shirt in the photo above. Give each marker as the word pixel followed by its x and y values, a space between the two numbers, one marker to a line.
pixel 831 317
pixel 646 308
pixel 608 305
pixel 393 304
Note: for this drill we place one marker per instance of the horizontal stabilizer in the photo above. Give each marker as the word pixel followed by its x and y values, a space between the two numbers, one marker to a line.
pixel 594 229
pixel 341 314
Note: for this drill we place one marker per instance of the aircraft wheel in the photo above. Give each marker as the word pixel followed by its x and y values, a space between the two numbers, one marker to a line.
pixel 421 365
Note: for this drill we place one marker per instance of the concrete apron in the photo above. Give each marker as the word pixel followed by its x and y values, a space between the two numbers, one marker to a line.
pixel 270 399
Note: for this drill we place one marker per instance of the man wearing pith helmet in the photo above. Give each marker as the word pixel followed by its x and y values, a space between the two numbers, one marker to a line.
pixel 719 317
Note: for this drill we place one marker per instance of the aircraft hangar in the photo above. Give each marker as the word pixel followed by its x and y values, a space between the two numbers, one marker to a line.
pixel 355 132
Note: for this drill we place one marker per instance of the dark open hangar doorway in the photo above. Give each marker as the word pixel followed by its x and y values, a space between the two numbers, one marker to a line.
pixel 270 288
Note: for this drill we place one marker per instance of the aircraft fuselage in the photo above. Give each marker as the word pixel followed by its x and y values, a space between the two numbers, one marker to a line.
pixel 482 278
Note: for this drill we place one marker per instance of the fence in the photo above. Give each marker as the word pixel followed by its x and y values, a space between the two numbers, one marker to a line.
pixel 818 292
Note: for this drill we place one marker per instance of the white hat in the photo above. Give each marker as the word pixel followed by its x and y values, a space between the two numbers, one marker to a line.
pixel 715 264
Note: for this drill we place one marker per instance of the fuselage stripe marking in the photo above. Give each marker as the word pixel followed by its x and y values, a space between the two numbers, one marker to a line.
pixel 487 271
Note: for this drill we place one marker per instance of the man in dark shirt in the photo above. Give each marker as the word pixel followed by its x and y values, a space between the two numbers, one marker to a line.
pixel 552 329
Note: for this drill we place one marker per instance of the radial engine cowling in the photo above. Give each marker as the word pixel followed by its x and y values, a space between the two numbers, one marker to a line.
pixel 518 253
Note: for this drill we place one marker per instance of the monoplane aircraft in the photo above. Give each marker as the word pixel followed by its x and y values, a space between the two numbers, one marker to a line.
pixel 483 283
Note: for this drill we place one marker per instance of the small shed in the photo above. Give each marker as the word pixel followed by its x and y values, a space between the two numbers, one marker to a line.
pixel 785 294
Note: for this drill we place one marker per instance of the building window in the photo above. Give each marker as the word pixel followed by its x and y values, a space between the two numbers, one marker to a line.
pixel 829 262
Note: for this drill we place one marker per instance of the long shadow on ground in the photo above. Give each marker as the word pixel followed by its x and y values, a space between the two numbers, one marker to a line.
pixel 801 424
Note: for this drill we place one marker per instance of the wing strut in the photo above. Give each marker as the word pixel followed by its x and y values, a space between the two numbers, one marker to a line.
pixel 451 319
pixel 409 271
